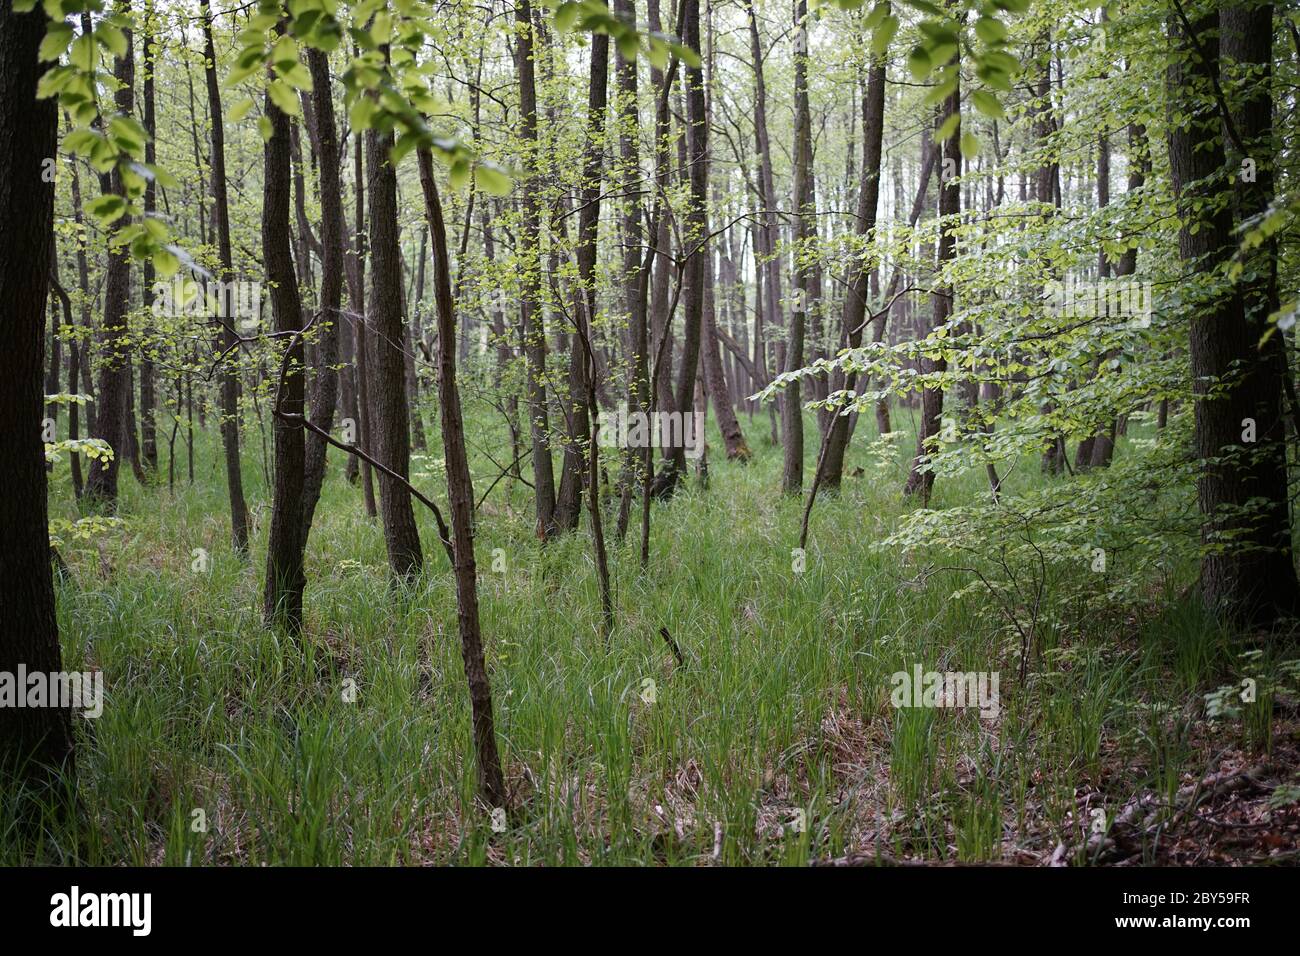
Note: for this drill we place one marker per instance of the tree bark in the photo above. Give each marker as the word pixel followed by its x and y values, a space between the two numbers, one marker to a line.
pixel 920 479
pixel 325 385
pixel 115 369
pixel 36 745
pixel 1246 568
pixel 460 492
pixel 532 331
pixel 388 385
pixel 285 576
pixel 227 336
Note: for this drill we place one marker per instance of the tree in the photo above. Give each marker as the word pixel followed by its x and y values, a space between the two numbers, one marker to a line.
pixel 461 495
pixel 325 384
pixel 388 385
pixel 111 423
pixel 920 480
pixel 285 576
pixel 226 335
pixel 532 333
pixel 1246 568
pixel 35 742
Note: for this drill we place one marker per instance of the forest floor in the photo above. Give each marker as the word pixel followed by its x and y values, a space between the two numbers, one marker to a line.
pixel 775 742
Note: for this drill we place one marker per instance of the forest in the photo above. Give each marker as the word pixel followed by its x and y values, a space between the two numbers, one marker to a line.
pixel 655 433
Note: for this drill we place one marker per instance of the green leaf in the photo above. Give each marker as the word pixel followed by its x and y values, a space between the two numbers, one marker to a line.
pixel 988 104
pixel 265 128
pixel 83 53
pixel 990 30
pixel 492 179
pixel 107 208
pixel 884 34
pixel 165 263
pixel 948 128
pixel 969 145
pixel 565 15
pixel 284 97
pixel 111 38
pixel 918 63
pixel 57 38
pixel 240 109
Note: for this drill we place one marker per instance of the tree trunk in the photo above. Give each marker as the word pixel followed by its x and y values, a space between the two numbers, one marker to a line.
pixel 35 742
pixel 148 392
pixel 920 480
pixel 805 229
pixel 388 385
pixel 568 503
pixel 226 336
pixel 695 237
pixel 460 493
pixel 1246 570
pixel 115 369
pixel 325 384
pixel 532 331
pixel 285 577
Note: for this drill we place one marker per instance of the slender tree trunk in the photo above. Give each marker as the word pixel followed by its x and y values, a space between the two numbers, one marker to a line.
pixel 1139 161
pixel 830 467
pixel 115 370
pixel 920 480
pixel 767 236
pixel 531 325
pixel 226 335
pixel 326 381
pixel 148 391
pixel 285 576
pixel 568 504
pixel 388 386
pixel 638 387
pixel 805 229
pixel 363 340
pixel 460 493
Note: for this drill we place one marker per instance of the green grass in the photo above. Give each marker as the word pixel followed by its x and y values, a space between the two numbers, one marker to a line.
pixel 783 704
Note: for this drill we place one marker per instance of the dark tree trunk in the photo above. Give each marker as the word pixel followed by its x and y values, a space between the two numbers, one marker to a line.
pixel 634 302
pixel 854 317
pixel 805 228
pixel 568 503
pixel 388 385
pixel 325 384
pixel 920 480
pixel 285 577
pixel 695 236
pixel 1246 571
pixel 115 369
pixel 35 742
pixel 460 493
pixel 226 335
pixel 532 331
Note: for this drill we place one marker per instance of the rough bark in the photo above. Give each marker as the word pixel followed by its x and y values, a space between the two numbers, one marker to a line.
pixel 285 577
pixel 325 384
pixel 36 745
